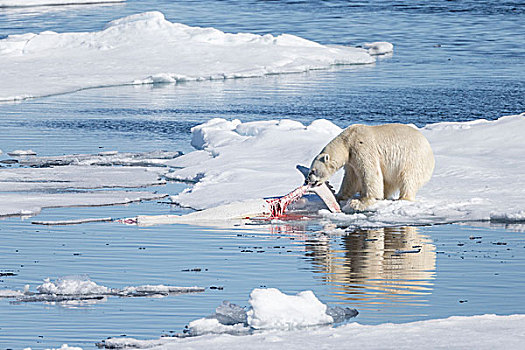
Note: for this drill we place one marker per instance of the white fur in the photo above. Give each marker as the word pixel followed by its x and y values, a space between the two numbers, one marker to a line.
pixel 380 161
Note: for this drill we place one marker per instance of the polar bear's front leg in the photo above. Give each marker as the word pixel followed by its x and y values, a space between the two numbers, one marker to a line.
pixel 372 184
pixel 350 186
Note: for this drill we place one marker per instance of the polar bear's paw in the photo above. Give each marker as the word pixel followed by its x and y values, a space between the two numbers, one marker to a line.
pixel 361 204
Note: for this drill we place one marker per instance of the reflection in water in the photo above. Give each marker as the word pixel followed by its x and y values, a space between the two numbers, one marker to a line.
pixel 376 266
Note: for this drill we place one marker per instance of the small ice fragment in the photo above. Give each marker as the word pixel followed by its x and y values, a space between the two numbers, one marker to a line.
pixel 72 286
pixel 379 48
pixel 230 314
pixel 340 314
pixel 20 153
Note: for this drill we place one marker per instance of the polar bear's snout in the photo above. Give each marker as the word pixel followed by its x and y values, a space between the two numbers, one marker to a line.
pixel 313 179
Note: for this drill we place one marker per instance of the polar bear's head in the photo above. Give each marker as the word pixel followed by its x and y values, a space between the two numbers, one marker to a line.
pixel 321 169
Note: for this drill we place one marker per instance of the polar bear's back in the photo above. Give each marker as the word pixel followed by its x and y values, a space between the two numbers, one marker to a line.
pixel 401 148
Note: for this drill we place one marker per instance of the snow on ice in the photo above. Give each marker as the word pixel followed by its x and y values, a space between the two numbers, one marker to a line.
pixel 458 332
pixel 48 63
pixel 478 175
pixel 29 3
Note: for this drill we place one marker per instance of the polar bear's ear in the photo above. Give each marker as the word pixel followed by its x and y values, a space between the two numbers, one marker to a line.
pixel 325 158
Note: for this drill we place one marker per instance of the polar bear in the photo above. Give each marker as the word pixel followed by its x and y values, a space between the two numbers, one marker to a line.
pixel 379 161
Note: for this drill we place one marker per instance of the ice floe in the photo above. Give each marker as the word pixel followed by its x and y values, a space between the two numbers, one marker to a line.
pixel 146 48
pixel 31 203
pixel 81 288
pixel 153 158
pixel 77 177
pixel 30 3
pixel 62 181
pixel 478 175
pixel 457 332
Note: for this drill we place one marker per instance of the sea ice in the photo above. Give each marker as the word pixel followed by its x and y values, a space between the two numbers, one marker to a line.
pixel 478 175
pixel 44 182
pixel 457 332
pixel 28 203
pixel 78 177
pixel 48 63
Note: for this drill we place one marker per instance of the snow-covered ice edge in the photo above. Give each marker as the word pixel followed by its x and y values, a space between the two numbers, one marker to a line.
pixel 478 176
pixel 78 180
pixel 34 3
pixel 457 332
pixel 49 63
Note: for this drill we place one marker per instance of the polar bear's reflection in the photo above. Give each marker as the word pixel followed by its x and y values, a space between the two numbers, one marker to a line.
pixel 389 263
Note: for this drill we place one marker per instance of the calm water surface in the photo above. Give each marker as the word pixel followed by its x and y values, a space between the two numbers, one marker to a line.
pixel 453 61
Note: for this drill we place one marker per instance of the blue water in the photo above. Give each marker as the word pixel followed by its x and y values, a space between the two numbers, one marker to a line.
pixel 453 61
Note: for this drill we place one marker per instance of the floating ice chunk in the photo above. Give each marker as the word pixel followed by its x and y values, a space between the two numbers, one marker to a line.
pixel 272 309
pixel 230 314
pixel 35 65
pixel 159 289
pixel 71 289
pixel 379 48
pixel 340 314
pixel 71 286
pixel 21 153
pixel 30 3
